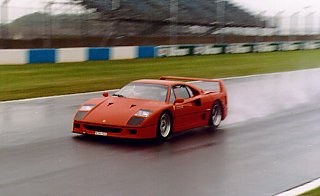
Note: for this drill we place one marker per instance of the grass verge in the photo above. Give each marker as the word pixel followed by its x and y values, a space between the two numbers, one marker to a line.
pixel 315 192
pixel 36 80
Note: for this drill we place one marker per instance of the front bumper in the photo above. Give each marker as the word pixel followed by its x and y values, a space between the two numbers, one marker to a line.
pixel 115 131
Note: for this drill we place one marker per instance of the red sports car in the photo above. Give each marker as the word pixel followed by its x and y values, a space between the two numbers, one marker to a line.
pixel 153 109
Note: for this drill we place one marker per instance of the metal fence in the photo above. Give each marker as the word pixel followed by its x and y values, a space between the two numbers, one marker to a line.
pixel 68 24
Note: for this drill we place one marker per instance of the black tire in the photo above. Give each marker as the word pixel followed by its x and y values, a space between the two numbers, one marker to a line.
pixel 216 115
pixel 164 127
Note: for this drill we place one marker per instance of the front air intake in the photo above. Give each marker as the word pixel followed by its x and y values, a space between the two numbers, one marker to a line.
pixel 102 129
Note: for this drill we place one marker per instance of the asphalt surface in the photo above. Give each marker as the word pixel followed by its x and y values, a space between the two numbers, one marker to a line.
pixel 269 143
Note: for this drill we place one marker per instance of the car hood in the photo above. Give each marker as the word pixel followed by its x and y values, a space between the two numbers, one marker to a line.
pixel 117 111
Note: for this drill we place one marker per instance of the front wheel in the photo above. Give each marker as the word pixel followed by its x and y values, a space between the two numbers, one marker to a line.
pixel 164 127
pixel 216 115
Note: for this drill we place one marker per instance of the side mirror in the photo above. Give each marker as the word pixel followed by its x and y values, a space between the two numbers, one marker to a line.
pixel 178 100
pixel 105 94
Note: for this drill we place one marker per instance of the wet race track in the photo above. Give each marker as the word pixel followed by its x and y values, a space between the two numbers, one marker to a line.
pixel 269 143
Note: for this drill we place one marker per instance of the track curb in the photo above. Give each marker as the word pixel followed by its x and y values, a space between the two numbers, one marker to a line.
pixel 304 188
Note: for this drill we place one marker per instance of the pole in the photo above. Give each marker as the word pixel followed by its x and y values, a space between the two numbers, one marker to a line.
pixel 84 26
pixel 306 21
pixel 309 23
pixel 220 19
pixel 223 20
pixel 48 10
pixel 278 22
pixel 263 24
pixel 115 4
pixel 260 27
pixel 174 8
pixel 319 24
pixel 294 21
pixel 4 23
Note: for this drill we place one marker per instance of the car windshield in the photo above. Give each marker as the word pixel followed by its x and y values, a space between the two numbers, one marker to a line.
pixel 138 90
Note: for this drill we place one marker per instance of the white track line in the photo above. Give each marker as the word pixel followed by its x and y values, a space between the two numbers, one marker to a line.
pixel 50 97
pixel 90 93
pixel 269 74
pixel 302 189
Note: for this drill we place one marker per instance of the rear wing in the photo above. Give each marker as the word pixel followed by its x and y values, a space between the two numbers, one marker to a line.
pixel 221 85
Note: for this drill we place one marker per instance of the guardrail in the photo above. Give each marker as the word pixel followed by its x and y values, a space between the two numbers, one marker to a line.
pixel 62 55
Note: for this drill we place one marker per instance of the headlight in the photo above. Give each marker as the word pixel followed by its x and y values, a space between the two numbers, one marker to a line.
pixel 80 115
pixel 143 113
pixel 86 108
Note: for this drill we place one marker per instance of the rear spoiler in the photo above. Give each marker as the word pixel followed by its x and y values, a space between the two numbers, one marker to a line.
pixel 222 88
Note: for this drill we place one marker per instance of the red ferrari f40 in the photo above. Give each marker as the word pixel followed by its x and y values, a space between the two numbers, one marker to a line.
pixel 154 108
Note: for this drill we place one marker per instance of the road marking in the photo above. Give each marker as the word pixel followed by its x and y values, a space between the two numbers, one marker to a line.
pixel 55 96
pixel 302 189
pixel 90 93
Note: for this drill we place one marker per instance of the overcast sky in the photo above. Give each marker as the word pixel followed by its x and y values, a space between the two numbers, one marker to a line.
pixel 270 6
pixel 274 6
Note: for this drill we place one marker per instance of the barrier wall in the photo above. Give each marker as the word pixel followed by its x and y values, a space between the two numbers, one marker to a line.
pixel 41 56
pixel 124 52
pixel 64 55
pixel 238 48
pixel 98 54
pixel 67 55
pixel 13 57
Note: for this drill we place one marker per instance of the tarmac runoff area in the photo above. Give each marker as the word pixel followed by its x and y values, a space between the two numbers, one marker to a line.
pixel 269 144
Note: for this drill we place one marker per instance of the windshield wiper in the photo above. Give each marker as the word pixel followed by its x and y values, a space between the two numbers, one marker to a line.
pixel 117 95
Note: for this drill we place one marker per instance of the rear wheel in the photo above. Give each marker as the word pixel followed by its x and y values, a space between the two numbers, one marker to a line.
pixel 216 115
pixel 164 127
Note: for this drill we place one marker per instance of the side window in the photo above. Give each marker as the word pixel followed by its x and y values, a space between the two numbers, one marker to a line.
pixel 172 97
pixel 181 92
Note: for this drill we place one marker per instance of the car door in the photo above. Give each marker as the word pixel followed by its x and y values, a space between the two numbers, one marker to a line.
pixel 189 113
